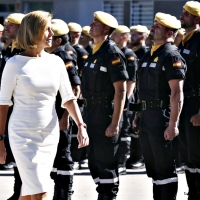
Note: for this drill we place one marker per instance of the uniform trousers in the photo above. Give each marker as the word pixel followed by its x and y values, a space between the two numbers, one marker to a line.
pixel 62 172
pixel 124 138
pixel 159 160
pixel 102 160
pixel 189 145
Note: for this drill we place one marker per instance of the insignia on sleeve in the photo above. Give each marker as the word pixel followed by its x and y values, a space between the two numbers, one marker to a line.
pixel 116 61
pixel 85 56
pixel 131 58
pixel 70 52
pixel 68 65
pixel 177 64
pixel 156 59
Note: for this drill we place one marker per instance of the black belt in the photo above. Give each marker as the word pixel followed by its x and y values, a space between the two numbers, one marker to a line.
pixel 192 93
pixel 143 105
pixel 94 100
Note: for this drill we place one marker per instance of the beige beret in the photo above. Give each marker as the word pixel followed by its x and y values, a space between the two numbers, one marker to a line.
pixel 193 7
pixel 74 27
pixel 15 18
pixel 139 29
pixel 167 20
pixel 1 27
pixel 86 30
pixel 59 27
pixel 122 29
pixel 106 19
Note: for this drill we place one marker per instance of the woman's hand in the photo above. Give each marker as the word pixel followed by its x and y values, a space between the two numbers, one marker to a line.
pixel 82 137
pixel 2 153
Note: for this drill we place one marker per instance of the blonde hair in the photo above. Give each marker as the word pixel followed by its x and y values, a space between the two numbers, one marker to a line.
pixel 32 29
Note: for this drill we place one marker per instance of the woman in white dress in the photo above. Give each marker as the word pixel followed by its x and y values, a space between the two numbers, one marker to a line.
pixel 33 78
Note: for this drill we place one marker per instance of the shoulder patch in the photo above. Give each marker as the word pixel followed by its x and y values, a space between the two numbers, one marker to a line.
pixel 85 56
pixel 131 58
pixel 68 65
pixel 177 64
pixel 116 61
pixel 70 52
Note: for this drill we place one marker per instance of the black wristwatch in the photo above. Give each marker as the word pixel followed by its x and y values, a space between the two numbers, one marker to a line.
pixel 2 137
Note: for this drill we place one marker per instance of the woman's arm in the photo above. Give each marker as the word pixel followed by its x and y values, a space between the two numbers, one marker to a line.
pixel 3 118
pixel 75 113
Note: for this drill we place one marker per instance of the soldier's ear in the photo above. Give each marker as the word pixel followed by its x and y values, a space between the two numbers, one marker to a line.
pixel 197 20
pixel 58 41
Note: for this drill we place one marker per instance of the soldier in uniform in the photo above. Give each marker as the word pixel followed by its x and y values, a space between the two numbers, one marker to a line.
pixel 85 39
pixel 75 30
pixel 121 36
pixel 104 88
pixel 160 82
pixel 75 34
pixel 62 172
pixel 190 116
pixel 139 34
pixel 11 28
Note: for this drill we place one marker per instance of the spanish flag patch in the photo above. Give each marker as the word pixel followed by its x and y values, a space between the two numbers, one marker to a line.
pixel 70 52
pixel 68 65
pixel 131 58
pixel 85 56
pixel 116 61
pixel 177 64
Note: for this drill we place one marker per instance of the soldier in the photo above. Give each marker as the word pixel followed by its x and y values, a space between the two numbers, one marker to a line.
pixel 190 116
pixel 160 76
pixel 121 36
pixel 62 172
pixel 11 29
pixel 139 34
pixel 75 34
pixel 85 39
pixel 104 87
pixel 138 37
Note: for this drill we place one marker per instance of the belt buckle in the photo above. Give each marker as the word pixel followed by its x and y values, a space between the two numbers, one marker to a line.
pixel 144 105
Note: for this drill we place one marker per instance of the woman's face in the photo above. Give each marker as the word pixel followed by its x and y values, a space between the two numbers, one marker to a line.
pixel 47 37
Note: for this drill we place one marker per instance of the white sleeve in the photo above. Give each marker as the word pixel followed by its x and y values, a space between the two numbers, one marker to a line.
pixel 65 87
pixel 8 83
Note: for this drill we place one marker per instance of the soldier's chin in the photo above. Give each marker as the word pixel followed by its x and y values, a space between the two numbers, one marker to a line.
pixel 151 37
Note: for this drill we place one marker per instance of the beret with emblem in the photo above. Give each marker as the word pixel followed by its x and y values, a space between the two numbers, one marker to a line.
pixel 74 27
pixel 106 19
pixel 15 18
pixel 193 7
pixel 122 29
pixel 59 27
pixel 139 29
pixel 86 30
pixel 167 20
pixel 1 27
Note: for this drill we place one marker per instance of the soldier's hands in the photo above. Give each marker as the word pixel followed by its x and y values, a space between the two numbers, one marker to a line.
pixel 83 139
pixel 112 130
pixel 135 123
pixel 171 132
pixel 195 120
pixel 64 121
pixel 2 153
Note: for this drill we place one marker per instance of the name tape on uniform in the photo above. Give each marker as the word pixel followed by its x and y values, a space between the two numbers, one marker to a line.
pixel 153 65
pixel 144 64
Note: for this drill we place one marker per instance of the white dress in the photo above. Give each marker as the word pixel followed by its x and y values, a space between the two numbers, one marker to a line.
pixel 33 126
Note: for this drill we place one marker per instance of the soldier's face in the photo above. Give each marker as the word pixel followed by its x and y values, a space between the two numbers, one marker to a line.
pixel 11 30
pixel 158 32
pixel 135 38
pixel 96 28
pixel 187 19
